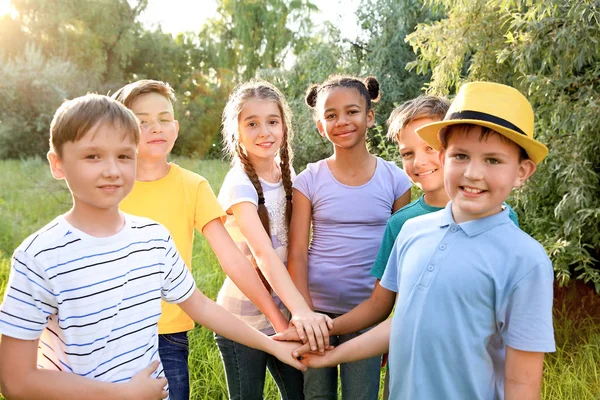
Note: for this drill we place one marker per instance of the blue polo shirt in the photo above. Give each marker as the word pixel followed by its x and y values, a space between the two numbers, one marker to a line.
pixel 465 292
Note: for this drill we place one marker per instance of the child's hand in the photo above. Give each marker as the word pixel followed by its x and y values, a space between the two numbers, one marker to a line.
pixel 316 326
pixel 283 352
pixel 143 387
pixel 315 360
pixel 305 348
pixel 289 335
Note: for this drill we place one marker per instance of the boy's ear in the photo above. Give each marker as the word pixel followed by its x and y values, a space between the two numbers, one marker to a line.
pixel 442 156
pixel 320 128
pixel 55 165
pixel 176 128
pixel 526 169
pixel 370 118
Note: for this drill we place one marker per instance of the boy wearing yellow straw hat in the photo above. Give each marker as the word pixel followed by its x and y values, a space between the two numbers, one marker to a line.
pixel 473 317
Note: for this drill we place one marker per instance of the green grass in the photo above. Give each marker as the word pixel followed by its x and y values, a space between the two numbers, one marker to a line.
pixel 29 198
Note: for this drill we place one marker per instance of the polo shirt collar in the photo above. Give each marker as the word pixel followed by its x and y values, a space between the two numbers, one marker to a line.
pixel 477 226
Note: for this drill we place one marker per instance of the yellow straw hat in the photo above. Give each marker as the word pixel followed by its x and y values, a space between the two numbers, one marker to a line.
pixel 498 107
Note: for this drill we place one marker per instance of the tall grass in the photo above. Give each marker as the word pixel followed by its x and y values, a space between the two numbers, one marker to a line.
pixel 29 198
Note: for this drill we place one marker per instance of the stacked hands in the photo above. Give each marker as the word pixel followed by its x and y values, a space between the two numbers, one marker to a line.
pixel 308 338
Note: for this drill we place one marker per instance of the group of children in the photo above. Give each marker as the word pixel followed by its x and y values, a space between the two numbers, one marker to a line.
pixel 99 301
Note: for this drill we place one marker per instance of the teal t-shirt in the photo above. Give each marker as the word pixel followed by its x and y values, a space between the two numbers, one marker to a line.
pixel 395 223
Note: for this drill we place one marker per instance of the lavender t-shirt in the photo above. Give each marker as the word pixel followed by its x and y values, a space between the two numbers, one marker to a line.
pixel 347 227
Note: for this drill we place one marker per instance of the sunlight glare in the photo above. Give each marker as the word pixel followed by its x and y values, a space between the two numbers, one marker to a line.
pixel 4 7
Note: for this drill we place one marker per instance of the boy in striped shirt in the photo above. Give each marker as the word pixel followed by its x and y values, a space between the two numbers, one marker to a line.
pixel 79 317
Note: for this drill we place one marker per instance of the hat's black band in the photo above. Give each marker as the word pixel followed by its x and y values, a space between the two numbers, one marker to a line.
pixel 485 117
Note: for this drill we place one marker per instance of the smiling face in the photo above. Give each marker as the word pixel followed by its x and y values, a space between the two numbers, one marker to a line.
pixel 421 162
pixel 344 117
pixel 260 129
pixel 158 126
pixel 99 168
pixel 480 172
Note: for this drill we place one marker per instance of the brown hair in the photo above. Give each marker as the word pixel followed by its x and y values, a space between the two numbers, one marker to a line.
pixel 420 107
pixel 74 118
pixel 445 133
pixel 262 90
pixel 368 89
pixel 128 93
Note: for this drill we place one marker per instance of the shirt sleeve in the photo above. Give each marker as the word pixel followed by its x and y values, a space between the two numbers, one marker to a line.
pixel 236 189
pixel 207 206
pixel 526 320
pixel 28 301
pixel 389 280
pixel 303 183
pixel 178 283
pixel 384 252
pixel 402 182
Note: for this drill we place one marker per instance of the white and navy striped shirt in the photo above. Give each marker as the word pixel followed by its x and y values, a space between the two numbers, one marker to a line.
pixel 94 303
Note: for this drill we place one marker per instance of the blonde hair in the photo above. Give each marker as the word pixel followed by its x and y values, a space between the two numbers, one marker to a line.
pixel 128 93
pixel 74 118
pixel 412 110
pixel 261 90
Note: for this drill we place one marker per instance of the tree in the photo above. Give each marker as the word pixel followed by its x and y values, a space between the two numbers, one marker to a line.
pixel 97 36
pixel 32 87
pixel 550 51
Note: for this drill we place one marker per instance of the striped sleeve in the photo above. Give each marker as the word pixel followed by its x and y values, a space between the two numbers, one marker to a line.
pixel 28 300
pixel 178 283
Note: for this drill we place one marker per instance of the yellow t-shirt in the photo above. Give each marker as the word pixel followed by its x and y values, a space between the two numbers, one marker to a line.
pixel 181 201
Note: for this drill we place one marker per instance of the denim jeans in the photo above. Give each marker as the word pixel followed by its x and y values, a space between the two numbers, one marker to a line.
pixel 360 379
pixel 173 349
pixel 246 367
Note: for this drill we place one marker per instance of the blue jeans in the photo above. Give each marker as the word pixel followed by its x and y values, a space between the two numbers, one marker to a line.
pixel 360 379
pixel 173 349
pixel 246 367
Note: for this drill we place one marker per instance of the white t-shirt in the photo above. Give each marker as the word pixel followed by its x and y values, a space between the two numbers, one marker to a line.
pixel 237 188
pixel 94 303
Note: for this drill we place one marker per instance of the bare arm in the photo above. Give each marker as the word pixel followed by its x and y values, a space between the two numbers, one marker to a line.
pixel 303 318
pixel 211 315
pixel 368 313
pixel 372 343
pixel 523 374
pixel 401 201
pixel 242 273
pixel 299 241
pixel 21 379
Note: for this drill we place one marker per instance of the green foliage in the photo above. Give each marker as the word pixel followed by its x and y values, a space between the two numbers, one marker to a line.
pixel 550 50
pixel 97 36
pixel 32 87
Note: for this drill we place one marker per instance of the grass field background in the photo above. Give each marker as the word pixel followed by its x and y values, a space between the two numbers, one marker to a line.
pixel 29 198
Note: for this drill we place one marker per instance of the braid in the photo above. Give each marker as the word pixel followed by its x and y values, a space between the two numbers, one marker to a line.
pixel 286 176
pixel 263 214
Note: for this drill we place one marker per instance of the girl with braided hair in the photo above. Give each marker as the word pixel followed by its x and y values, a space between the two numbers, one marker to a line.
pixel 347 198
pixel 257 197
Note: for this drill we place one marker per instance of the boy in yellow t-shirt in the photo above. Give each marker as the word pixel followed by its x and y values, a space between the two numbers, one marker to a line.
pixel 181 200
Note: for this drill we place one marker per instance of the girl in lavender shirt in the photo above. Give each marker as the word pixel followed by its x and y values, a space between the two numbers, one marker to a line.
pixel 348 198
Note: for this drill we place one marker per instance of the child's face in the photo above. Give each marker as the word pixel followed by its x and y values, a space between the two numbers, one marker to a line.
pixel 158 126
pixel 343 117
pixel 261 127
pixel 479 174
pixel 99 168
pixel 419 160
